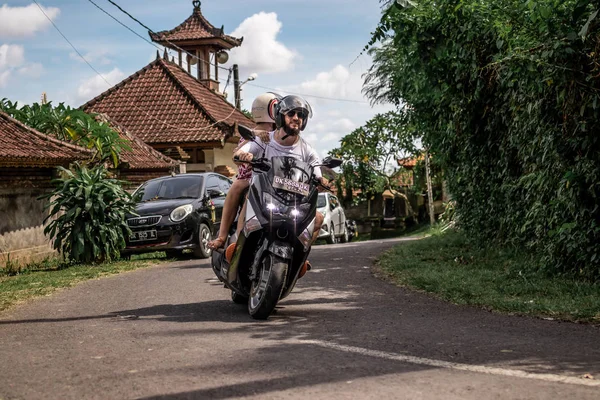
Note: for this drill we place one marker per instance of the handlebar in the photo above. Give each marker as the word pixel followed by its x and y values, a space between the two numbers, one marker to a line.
pixel 265 165
pixel 259 163
pixel 319 184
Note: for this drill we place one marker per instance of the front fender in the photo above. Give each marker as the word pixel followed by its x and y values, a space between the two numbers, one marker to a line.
pixel 282 249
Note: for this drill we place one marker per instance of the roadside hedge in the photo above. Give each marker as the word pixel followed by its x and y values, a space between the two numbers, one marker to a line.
pixel 506 93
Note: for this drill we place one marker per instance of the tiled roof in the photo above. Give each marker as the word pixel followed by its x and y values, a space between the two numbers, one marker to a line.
pixel 141 155
pixel 22 146
pixel 410 162
pixel 196 27
pixel 162 103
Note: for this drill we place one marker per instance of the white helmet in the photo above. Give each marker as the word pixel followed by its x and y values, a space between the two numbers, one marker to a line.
pixel 263 107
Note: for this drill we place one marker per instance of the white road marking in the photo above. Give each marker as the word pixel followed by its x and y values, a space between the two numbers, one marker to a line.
pixel 450 365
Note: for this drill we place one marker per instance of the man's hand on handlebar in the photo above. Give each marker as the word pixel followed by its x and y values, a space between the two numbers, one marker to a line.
pixel 242 156
pixel 323 184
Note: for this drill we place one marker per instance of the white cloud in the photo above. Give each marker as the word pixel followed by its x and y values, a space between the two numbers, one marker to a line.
pixel 34 70
pixel 96 57
pixel 325 132
pixel 336 83
pixel 260 51
pixel 96 85
pixel 4 78
pixel 11 55
pixel 24 21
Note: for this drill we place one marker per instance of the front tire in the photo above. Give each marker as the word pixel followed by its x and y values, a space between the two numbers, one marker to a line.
pixel 202 250
pixel 267 288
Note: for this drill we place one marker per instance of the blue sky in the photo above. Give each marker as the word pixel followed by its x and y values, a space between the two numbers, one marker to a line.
pixel 293 46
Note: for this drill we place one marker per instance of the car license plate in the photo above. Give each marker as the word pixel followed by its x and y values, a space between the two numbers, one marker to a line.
pixel 291 185
pixel 143 235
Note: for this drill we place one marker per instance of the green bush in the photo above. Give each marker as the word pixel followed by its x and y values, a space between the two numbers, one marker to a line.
pixel 506 93
pixel 87 215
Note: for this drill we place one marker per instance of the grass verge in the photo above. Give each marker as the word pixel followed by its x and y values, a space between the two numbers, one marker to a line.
pixel 498 280
pixel 50 275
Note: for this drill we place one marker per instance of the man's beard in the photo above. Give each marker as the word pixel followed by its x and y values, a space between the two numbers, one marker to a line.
pixel 290 131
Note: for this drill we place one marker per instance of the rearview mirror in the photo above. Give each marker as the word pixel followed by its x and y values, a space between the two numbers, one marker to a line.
pixel 246 133
pixel 212 193
pixel 331 162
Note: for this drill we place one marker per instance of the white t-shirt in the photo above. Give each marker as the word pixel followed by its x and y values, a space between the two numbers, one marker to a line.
pixel 301 150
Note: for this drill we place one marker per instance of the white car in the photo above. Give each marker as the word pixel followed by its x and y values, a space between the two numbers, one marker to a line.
pixel 334 224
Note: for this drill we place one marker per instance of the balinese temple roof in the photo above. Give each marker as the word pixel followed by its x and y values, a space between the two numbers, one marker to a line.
pixel 22 146
pixel 195 30
pixel 141 156
pixel 410 162
pixel 162 103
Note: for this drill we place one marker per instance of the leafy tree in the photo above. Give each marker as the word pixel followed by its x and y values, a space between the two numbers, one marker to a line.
pixel 247 114
pixel 87 215
pixel 66 123
pixel 506 94
pixel 370 153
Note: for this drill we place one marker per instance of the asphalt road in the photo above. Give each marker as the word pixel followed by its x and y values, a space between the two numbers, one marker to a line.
pixel 171 331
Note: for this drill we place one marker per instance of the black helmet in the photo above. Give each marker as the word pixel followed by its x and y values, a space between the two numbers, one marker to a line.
pixel 289 103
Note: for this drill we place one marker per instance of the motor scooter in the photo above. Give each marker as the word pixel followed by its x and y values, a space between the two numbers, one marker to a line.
pixel 274 244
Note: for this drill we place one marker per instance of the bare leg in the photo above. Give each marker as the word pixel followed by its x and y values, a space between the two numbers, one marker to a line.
pixel 242 218
pixel 232 201
pixel 318 223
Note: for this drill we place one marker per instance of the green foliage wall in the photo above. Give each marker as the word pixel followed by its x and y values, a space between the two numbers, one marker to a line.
pixel 506 94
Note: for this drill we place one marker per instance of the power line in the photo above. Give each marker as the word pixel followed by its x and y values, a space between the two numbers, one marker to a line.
pixel 111 85
pixel 64 37
pixel 125 26
pixel 309 95
pixel 226 69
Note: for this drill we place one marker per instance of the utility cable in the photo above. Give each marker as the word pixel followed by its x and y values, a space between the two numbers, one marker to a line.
pixel 125 26
pixel 111 85
pixel 309 95
pixel 227 69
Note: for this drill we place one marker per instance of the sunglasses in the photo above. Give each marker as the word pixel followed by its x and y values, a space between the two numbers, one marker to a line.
pixel 300 113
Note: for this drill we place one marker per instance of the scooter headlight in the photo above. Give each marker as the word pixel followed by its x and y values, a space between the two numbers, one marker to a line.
pixel 273 205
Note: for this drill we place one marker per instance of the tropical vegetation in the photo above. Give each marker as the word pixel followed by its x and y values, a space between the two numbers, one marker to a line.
pixel 505 94
pixel 86 221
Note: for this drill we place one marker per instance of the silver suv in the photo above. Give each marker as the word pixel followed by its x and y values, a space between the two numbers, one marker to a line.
pixel 334 224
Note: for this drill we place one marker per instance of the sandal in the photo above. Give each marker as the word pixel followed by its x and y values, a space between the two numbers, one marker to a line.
pixel 217 243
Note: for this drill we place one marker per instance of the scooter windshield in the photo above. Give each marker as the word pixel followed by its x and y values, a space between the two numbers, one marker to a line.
pixel 291 174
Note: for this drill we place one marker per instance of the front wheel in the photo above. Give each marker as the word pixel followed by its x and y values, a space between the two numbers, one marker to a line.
pixel 202 250
pixel 267 287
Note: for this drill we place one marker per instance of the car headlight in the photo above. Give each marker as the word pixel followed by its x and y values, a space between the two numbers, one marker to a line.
pixel 180 213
